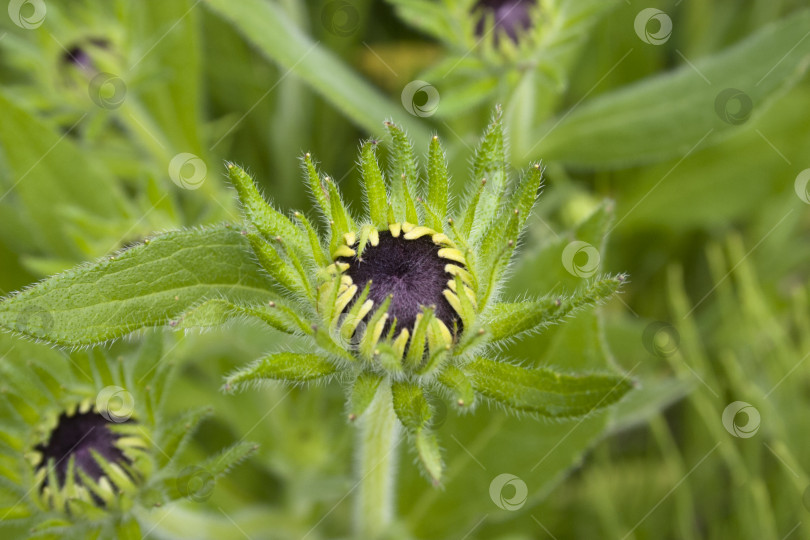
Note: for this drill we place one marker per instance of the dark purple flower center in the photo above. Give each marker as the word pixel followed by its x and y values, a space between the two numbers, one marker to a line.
pixel 74 437
pixel 510 15
pixel 411 271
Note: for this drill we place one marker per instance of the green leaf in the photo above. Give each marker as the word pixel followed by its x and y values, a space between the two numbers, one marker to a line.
pixel 40 162
pixel 363 392
pixel 145 286
pixel 128 529
pixel 671 114
pixel 229 458
pixel 269 29
pixel 543 391
pixel 289 367
pixel 438 180
pixel 430 17
pixel 175 435
pixel 216 312
pixel 374 185
pixel 507 320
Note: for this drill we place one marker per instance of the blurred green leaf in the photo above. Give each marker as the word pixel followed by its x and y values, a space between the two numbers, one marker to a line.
pixel 266 26
pixel 671 114
pixel 51 173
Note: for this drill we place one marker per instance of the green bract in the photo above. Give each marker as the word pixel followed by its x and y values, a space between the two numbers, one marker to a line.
pixel 403 301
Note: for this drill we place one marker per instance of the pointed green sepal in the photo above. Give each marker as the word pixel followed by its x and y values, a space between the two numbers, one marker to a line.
pixel 438 182
pixel 316 187
pixel 341 219
pixel 411 406
pixel 267 220
pixel 403 175
pixel 288 367
pixel 275 264
pixel 507 320
pixel 543 391
pixel 456 381
pixel 416 347
pixel 490 163
pixel 363 392
pixel 374 186
pixel 318 253
pixel 430 455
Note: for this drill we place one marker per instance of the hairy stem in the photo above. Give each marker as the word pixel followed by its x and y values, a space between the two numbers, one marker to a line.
pixel 376 466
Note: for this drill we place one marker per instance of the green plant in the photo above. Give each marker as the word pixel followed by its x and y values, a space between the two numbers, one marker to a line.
pixel 399 305
pixel 87 445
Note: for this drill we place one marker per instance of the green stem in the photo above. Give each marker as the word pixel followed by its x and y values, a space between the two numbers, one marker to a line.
pixel 376 466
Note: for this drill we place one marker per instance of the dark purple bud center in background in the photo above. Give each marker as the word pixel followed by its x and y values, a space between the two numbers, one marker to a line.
pixel 75 436
pixel 510 15
pixel 412 271
pixel 81 55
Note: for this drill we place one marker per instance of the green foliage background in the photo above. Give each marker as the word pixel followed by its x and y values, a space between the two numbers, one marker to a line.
pixel 707 221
